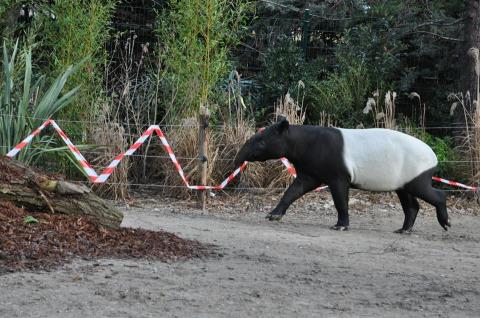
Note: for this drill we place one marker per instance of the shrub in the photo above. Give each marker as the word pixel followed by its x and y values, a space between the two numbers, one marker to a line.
pixel 446 155
pixel 342 94
pixel 195 39
pixel 81 29
pixel 284 68
pixel 26 103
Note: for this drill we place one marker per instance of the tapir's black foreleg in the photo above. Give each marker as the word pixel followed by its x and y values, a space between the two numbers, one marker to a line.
pixel 339 190
pixel 301 185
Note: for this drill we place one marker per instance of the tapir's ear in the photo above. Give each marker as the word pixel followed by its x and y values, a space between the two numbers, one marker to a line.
pixel 282 123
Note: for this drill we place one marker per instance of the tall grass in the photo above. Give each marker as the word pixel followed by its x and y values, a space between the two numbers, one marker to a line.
pixel 473 135
pixel 224 143
pixel 80 29
pixel 383 110
pixel 110 140
pixel 341 94
pixel 127 105
pixel 469 106
pixel 196 37
pixel 26 102
pixel 469 140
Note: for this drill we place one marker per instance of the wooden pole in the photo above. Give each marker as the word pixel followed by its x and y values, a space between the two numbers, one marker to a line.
pixel 203 118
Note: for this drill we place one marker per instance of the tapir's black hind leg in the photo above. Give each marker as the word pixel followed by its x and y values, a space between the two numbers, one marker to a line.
pixel 339 191
pixel 410 208
pixel 301 185
pixel 421 187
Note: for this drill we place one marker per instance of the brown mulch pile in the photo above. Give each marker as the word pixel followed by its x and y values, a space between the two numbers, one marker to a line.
pixel 56 239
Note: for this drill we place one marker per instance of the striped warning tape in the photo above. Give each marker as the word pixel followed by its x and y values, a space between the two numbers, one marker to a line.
pixel 105 174
pixel 454 183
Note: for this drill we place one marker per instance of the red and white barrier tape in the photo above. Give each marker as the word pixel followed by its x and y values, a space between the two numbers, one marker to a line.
pixel 455 184
pixel 95 178
pixel 102 178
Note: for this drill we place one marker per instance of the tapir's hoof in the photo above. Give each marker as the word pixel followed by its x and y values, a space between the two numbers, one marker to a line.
pixel 404 231
pixel 339 228
pixel 274 217
pixel 446 225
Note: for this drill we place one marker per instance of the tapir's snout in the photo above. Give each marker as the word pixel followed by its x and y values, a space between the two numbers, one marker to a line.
pixel 240 157
pixel 237 162
pixel 244 154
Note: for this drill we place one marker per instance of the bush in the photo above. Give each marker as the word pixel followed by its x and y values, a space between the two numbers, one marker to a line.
pixel 343 93
pixel 26 103
pixel 194 47
pixel 80 30
pixel 285 69
pixel 444 149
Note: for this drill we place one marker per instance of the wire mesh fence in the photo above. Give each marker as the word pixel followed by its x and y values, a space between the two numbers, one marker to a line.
pixel 170 150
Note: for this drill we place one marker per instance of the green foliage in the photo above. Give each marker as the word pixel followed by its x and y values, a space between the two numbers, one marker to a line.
pixel 5 5
pixel 26 102
pixel 376 48
pixel 405 45
pixel 284 65
pixel 80 30
pixel 284 69
pixel 30 220
pixel 195 38
pixel 409 46
pixel 342 94
pixel 444 149
pixel 8 15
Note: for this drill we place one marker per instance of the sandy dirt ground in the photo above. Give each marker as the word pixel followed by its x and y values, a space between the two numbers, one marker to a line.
pixel 295 268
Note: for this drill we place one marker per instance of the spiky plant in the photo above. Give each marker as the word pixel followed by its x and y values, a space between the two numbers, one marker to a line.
pixel 24 107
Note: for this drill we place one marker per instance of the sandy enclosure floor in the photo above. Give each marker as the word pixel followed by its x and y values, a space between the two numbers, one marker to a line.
pixel 296 268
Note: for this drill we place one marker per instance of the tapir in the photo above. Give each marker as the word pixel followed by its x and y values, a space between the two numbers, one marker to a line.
pixel 368 159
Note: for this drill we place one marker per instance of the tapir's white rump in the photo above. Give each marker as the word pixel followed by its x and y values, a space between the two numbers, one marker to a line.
pixel 383 159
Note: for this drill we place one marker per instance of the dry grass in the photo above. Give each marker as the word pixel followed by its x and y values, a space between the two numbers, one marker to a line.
pixel 326 120
pixel 292 109
pixel 383 111
pixel 223 144
pixel 470 138
pixel 184 142
pixel 473 135
pixel 110 138
pixel 469 105
pixel 476 143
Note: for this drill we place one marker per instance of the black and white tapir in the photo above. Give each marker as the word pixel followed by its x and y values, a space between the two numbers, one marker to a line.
pixel 368 159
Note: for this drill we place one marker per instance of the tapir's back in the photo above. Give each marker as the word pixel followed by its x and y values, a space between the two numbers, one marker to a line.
pixel 384 159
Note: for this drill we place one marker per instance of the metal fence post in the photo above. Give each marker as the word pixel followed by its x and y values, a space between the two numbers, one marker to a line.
pixel 306 32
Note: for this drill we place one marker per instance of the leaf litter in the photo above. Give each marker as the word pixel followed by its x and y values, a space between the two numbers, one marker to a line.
pixel 56 239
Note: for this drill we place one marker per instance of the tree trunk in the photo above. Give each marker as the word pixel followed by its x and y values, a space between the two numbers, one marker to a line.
pixel 34 190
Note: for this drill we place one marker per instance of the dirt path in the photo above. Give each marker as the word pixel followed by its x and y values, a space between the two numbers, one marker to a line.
pixel 298 268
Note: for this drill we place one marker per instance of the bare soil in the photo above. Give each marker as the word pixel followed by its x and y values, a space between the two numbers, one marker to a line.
pixel 295 268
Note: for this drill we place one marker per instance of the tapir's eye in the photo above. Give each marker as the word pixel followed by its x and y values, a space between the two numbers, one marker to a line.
pixel 261 144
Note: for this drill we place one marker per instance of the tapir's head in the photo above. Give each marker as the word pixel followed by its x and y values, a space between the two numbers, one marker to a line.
pixel 271 143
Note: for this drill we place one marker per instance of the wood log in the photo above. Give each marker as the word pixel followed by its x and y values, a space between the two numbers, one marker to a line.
pixel 35 190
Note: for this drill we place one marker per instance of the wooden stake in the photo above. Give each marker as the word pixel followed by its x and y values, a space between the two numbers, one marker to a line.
pixel 203 118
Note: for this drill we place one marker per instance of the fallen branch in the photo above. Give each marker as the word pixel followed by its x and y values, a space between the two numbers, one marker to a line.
pixel 33 189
